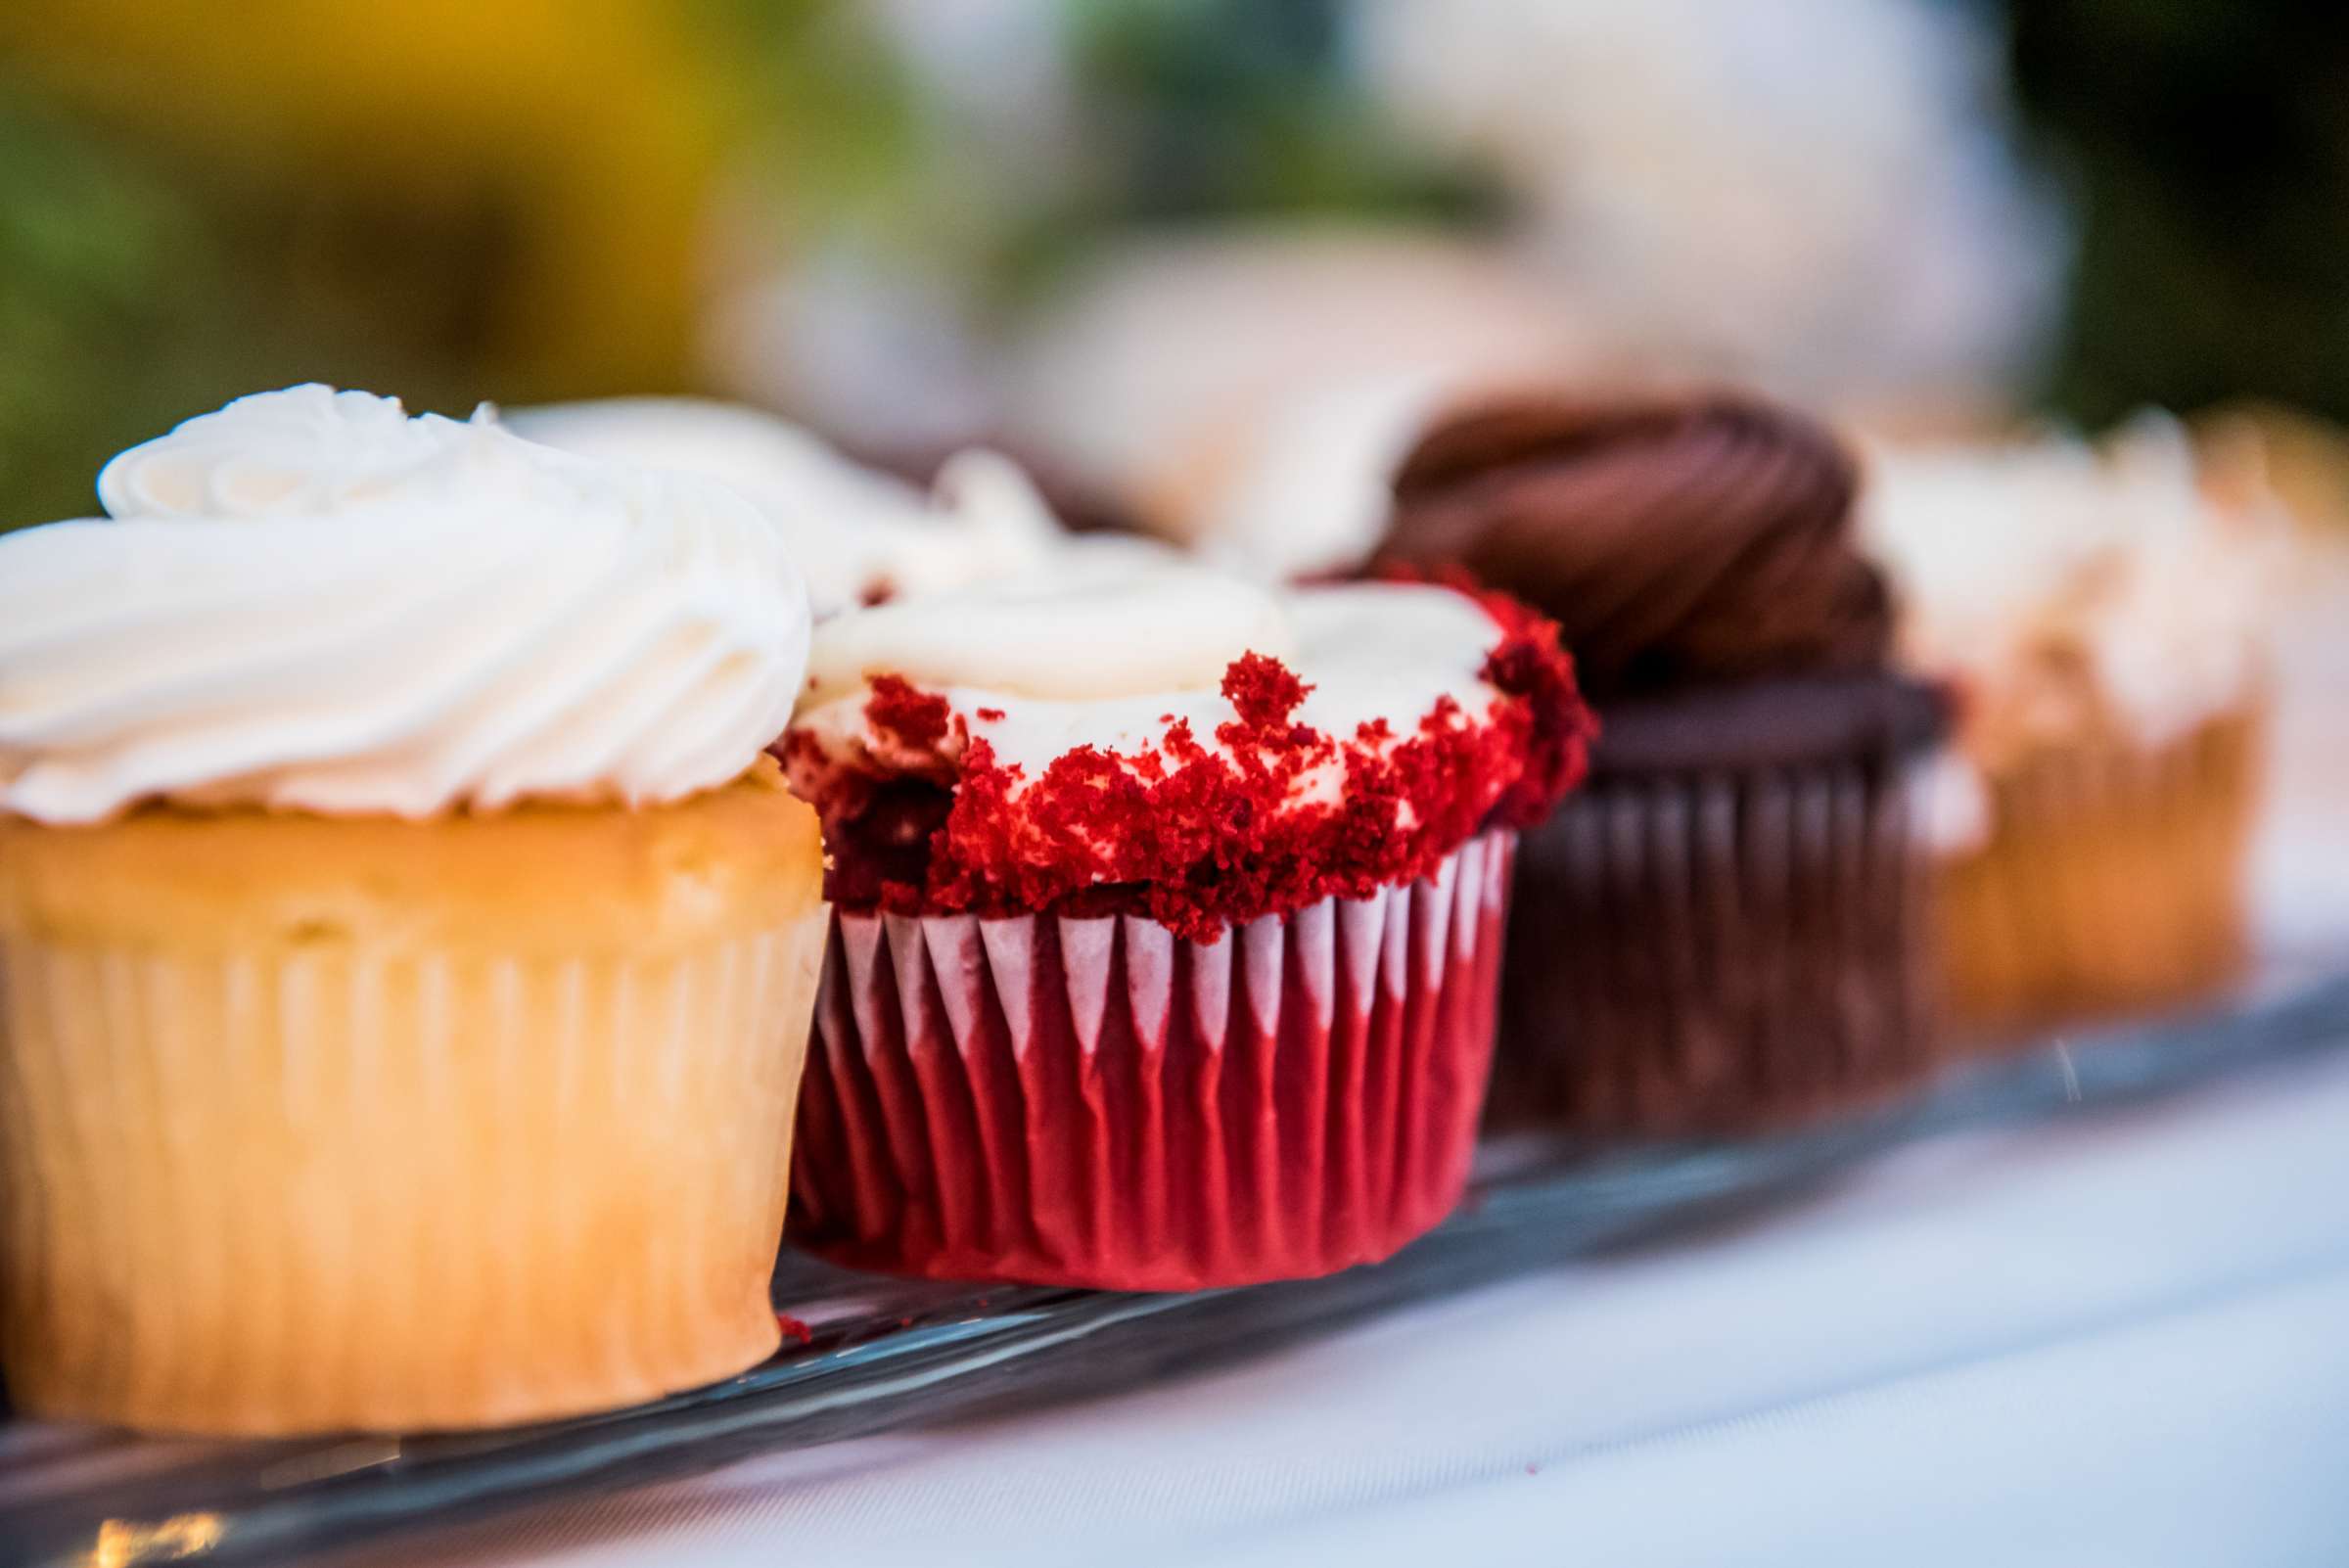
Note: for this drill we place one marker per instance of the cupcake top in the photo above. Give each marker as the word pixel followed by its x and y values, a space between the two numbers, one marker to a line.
pixel 1313 493
pixel 858 534
pixel 1680 541
pixel 1165 740
pixel 309 601
pixel 2073 591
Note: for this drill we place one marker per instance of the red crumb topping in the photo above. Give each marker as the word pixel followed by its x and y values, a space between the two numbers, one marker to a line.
pixel 1529 663
pixel 795 1329
pixel 1197 838
pixel 988 715
pixel 1262 690
pixel 914 718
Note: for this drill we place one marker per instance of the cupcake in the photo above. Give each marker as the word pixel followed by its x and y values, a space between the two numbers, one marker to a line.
pixel 406 950
pixel 1168 915
pixel 1726 929
pixel 858 534
pixel 2099 612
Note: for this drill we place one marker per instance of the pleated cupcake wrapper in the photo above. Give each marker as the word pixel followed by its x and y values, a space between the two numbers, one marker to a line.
pixel 1097 1101
pixel 1716 953
pixel 316 1191
pixel 2112 881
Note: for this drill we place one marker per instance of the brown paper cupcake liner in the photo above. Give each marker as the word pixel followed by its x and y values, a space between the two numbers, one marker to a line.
pixel 1095 1101
pixel 1716 951
pixel 2111 883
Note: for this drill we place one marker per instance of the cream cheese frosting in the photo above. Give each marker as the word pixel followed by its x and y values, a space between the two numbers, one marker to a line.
pixel 2069 588
pixel 858 534
pixel 311 601
pixel 1167 741
pixel 1082 631
pixel 1111 660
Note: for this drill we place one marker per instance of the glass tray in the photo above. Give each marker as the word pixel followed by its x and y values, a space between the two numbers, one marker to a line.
pixel 877 1353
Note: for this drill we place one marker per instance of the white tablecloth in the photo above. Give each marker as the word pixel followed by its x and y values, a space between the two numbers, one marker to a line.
pixel 2120 1340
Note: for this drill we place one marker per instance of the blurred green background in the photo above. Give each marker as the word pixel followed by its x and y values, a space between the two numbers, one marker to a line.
pixel 525 200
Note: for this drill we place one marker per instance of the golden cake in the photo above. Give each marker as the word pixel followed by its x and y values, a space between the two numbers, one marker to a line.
pixel 407 951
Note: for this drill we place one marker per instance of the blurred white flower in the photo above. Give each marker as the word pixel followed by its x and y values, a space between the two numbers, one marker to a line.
pixel 1818 193
pixel 1212 374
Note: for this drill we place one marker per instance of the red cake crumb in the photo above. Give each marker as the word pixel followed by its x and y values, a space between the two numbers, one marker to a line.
pixel 1198 839
pixel 795 1329
pixel 1263 689
pixel 917 719
pixel 1530 663
pixel 990 715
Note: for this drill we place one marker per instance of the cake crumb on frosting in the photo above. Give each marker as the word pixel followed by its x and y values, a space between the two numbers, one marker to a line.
pixel 1274 815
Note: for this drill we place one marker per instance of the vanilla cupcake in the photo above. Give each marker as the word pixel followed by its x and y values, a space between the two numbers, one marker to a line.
pixel 406 951
pixel 2098 611
pixel 1169 920
pixel 859 536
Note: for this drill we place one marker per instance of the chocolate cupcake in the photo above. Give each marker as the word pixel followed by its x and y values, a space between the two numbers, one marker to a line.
pixel 1725 929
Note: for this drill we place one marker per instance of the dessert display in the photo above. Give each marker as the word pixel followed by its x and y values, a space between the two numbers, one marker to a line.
pixel 406 950
pixel 1167 919
pixel 2098 611
pixel 1726 928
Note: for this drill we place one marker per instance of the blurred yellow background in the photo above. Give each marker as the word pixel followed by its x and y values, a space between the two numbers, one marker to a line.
pixel 457 199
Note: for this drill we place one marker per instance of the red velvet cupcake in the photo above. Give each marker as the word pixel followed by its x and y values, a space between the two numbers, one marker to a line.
pixel 1167 921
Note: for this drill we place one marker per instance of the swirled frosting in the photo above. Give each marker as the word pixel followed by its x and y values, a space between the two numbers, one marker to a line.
pixel 1677 541
pixel 311 601
pixel 859 536
pixel 1174 742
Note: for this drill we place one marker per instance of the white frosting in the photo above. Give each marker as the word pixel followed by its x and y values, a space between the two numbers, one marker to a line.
pixel 856 533
pixel 1950 803
pixel 1370 652
pixel 309 601
pixel 1315 489
pixel 1079 632
pixel 2024 571
pixel 302 452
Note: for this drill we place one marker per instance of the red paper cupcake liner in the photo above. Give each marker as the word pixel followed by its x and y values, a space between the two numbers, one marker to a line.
pixel 1095 1101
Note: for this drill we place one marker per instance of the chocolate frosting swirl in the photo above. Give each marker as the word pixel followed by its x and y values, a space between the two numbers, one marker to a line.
pixel 1677 541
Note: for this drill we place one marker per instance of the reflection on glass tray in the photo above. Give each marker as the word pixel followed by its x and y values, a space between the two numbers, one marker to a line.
pixel 878 1353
